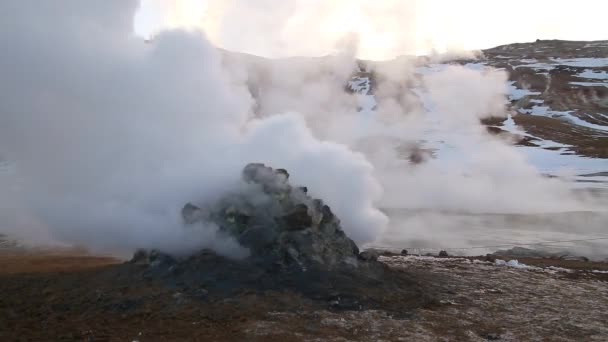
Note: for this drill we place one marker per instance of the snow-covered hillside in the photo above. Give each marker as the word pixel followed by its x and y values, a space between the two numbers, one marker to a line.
pixel 557 95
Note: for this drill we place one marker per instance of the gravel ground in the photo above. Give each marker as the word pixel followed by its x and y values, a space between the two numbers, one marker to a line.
pixel 81 298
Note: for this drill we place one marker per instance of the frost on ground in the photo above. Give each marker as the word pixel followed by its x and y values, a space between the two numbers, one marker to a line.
pixel 88 298
pixel 478 301
pixel 517 264
pixel 517 303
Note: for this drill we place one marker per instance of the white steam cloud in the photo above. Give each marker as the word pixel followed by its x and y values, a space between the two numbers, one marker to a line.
pixel 271 28
pixel 473 171
pixel 379 29
pixel 108 136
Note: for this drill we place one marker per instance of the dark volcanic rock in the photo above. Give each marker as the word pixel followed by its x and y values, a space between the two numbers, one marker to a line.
pixel 191 213
pixel 369 255
pixel 298 218
pixel 296 244
pixel 281 225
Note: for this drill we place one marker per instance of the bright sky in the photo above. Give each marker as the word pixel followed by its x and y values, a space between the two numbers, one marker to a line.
pixel 385 28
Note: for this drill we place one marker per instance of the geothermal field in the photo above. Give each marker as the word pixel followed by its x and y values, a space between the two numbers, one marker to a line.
pixel 321 182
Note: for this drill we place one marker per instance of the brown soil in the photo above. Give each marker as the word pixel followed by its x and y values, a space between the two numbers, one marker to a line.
pixel 62 297
pixel 587 101
pixel 585 141
pixel 50 262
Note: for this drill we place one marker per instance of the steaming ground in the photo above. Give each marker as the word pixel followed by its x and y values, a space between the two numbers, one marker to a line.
pixel 104 139
pixel 557 121
pixel 467 189
pixel 478 234
pixel 108 136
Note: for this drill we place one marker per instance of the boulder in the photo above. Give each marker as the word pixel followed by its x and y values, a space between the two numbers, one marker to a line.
pixel 283 173
pixel 368 255
pixel 298 218
pixel 295 244
pixel 281 225
pixel 191 213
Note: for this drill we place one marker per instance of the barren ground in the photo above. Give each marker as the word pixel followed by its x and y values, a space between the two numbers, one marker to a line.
pixel 68 296
pixel 562 76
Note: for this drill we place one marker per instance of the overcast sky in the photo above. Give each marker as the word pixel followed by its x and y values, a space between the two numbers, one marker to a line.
pixel 385 28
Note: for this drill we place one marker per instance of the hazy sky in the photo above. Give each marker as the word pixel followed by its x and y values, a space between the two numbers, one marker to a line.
pixel 385 28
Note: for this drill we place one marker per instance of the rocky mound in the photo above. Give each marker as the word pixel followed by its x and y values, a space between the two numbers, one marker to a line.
pixel 295 243
pixel 283 228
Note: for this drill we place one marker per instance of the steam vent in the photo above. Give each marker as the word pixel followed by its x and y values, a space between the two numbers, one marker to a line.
pixel 295 242
pixel 285 229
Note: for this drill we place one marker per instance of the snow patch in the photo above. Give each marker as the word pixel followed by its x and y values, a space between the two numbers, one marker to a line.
pixel 415 258
pixel 517 93
pixel 536 66
pixel 518 265
pixel 580 122
pixel 362 87
pixel 590 84
pixel 563 115
pixel 598 75
pixel 573 62
pixel 582 62
pixel 598 44
pixel 510 126
pixel 511 263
